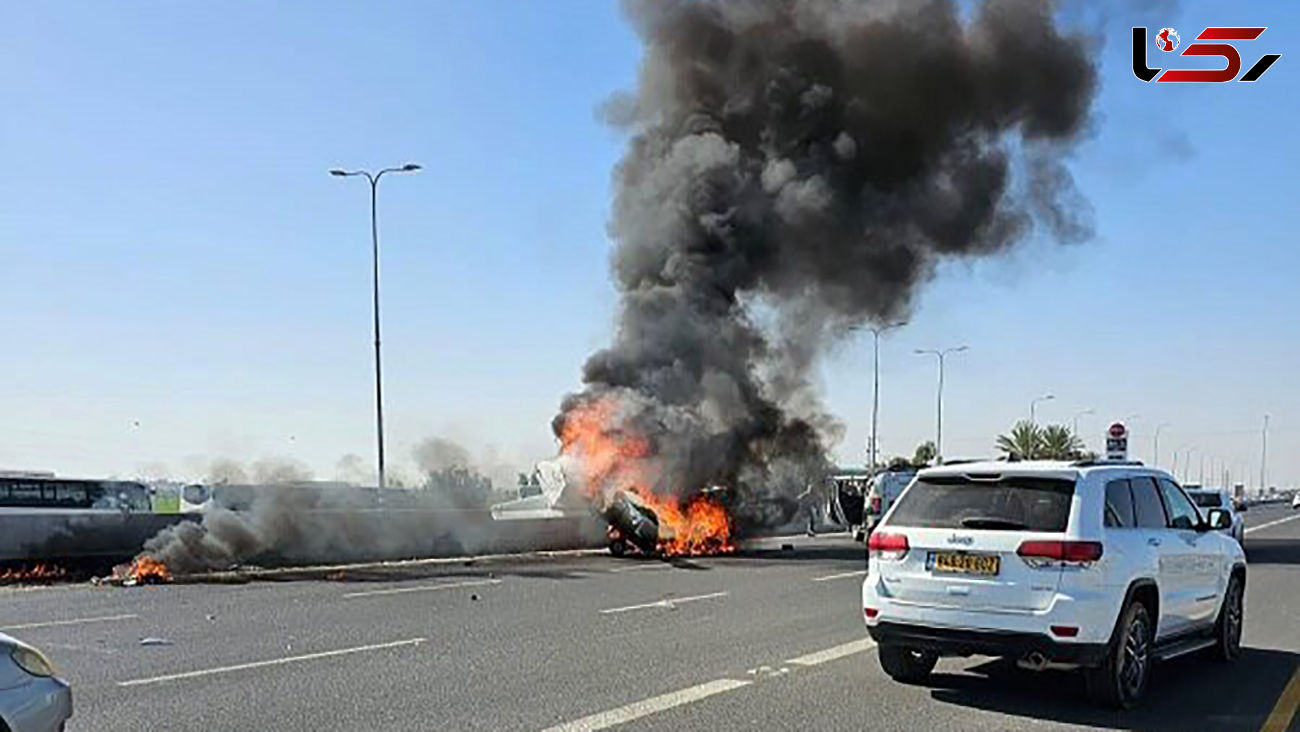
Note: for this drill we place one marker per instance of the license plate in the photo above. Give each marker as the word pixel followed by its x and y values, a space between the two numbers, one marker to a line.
pixel 955 563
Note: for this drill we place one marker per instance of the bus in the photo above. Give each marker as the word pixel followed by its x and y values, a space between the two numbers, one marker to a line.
pixel 46 516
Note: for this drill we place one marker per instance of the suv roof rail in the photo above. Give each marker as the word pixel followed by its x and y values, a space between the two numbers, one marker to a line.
pixel 962 461
pixel 1095 462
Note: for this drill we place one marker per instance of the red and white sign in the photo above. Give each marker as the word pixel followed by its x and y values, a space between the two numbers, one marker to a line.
pixel 1117 442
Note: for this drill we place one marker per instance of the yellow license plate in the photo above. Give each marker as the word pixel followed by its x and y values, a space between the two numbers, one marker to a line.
pixel 953 563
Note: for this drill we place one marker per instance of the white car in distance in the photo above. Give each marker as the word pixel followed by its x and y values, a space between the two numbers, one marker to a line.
pixel 1097 566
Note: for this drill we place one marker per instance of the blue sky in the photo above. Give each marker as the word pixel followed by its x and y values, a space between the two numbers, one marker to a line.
pixel 185 281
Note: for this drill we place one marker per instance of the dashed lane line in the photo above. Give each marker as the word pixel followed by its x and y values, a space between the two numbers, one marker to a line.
pixel 421 588
pixel 667 602
pixel 646 707
pixel 841 575
pixel 74 621
pixel 1253 529
pixel 831 654
pixel 663 702
pixel 271 662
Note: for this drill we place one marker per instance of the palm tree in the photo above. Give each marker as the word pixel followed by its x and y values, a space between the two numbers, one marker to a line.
pixel 1059 443
pixel 924 455
pixel 1024 441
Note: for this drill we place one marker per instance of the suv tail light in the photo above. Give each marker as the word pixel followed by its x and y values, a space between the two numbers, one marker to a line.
pixel 888 546
pixel 875 505
pixel 1054 553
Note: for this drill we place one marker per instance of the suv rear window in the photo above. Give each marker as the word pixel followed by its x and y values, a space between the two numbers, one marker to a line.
pixel 1008 503
pixel 1207 500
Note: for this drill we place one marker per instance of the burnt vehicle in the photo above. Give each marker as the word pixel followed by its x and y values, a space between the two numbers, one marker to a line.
pixel 699 525
pixel 633 526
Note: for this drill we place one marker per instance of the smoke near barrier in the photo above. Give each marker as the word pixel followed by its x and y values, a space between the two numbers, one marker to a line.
pixel 283 517
pixel 795 168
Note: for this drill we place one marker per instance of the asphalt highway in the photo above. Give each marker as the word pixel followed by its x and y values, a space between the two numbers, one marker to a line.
pixel 767 639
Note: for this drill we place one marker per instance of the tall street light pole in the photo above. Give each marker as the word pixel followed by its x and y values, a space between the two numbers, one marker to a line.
pixel 1033 406
pixel 1155 444
pixel 1263 458
pixel 373 179
pixel 1074 425
pixel 938 422
pixel 1187 462
pixel 876 332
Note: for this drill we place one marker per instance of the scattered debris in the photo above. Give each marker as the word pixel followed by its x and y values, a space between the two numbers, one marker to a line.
pixel 787 547
pixel 474 597
pixel 338 576
pixel 151 641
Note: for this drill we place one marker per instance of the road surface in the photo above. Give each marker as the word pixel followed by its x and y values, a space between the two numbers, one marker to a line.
pixel 770 639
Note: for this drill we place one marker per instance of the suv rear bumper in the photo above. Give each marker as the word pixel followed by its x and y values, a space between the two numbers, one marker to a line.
pixel 1002 644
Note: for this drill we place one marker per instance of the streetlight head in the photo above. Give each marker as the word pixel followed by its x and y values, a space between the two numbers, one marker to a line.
pixel 959 349
pixel 1048 396
pixel 339 172
pixel 410 168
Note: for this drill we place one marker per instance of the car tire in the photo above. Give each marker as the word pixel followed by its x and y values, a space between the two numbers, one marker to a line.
pixel 617 548
pixel 1121 680
pixel 1232 618
pixel 907 665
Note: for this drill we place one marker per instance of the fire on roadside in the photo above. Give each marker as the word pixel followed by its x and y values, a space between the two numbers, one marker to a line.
pixel 38 572
pixel 613 459
pixel 144 570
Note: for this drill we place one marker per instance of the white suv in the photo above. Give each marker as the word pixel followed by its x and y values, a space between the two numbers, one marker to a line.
pixel 1100 566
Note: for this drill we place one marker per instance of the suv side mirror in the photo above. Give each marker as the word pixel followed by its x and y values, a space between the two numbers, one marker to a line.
pixel 1218 519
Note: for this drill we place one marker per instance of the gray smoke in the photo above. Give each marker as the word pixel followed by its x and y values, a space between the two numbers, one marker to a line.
pixel 798 167
pixel 271 511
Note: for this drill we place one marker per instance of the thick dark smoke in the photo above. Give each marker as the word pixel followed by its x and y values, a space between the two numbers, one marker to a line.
pixel 796 167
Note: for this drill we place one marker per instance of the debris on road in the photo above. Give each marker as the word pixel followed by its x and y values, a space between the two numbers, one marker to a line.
pixel 151 641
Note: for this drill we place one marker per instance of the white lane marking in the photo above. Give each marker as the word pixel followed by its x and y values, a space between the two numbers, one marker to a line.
pixel 841 575
pixel 646 707
pixel 641 567
pixel 421 588
pixel 272 662
pixel 830 654
pixel 1253 529
pixel 668 602
pixel 76 621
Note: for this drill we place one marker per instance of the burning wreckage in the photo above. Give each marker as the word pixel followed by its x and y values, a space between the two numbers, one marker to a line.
pixel 701 528
pixel 794 169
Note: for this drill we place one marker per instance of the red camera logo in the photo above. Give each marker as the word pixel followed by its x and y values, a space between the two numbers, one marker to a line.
pixel 1167 40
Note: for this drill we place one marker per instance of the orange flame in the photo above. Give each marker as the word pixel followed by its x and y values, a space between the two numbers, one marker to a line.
pixel 38 572
pixel 613 459
pixel 147 570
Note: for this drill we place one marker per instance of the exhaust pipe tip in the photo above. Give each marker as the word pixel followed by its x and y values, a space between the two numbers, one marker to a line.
pixel 1035 661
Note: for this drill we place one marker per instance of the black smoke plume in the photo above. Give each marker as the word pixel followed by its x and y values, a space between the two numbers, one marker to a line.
pixel 797 167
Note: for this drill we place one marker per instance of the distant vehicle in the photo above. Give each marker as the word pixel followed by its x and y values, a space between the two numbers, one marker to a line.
pixel 886 487
pixel 847 505
pixel 32 698
pixel 45 516
pixel 1208 498
pixel 1095 566
pixel 1295 502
